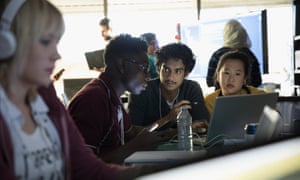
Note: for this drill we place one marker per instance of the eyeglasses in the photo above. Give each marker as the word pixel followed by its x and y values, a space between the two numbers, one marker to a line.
pixel 145 67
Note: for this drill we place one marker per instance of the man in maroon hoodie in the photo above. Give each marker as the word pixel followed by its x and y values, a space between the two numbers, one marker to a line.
pixel 98 110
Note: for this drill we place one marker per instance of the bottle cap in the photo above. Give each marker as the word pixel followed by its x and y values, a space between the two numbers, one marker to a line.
pixel 250 128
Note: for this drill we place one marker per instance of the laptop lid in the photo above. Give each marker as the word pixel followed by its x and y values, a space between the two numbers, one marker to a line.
pixel 232 113
pixel 95 59
pixel 72 86
pixel 268 126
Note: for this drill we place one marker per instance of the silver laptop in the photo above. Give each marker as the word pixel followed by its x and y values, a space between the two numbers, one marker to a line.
pixel 232 113
pixel 172 156
pixel 95 59
pixel 269 126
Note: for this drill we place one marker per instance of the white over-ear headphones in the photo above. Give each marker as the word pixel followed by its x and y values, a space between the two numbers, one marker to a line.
pixel 7 39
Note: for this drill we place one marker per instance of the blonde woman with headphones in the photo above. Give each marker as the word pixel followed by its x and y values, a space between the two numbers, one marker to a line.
pixel 38 139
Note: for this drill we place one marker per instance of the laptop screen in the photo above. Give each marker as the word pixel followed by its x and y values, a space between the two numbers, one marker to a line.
pixel 232 113
pixel 95 59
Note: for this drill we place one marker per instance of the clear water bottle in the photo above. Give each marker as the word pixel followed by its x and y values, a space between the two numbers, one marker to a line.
pixel 184 130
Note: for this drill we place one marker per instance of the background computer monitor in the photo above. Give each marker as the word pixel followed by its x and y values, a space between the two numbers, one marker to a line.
pixel 204 37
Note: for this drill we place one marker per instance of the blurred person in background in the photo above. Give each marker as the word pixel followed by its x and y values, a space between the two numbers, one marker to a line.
pixel 235 37
pixel 152 43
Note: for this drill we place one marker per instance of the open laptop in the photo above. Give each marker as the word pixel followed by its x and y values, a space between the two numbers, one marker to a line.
pixel 232 113
pixel 95 59
pixel 269 126
pixel 72 86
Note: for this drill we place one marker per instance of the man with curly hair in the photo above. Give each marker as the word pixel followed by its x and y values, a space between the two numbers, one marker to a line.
pixel 163 98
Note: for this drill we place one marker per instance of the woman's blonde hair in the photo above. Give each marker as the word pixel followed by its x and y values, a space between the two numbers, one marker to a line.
pixel 33 19
pixel 235 35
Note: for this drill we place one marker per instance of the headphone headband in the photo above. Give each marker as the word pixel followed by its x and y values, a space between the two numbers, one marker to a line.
pixel 9 13
pixel 7 39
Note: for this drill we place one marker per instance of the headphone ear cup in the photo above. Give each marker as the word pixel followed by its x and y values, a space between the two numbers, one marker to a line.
pixel 7 45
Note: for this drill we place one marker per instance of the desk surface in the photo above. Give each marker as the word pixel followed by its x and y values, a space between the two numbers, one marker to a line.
pixel 168 153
